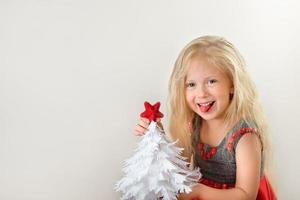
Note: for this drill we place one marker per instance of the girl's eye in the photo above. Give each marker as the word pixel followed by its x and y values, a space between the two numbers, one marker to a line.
pixel 189 85
pixel 211 82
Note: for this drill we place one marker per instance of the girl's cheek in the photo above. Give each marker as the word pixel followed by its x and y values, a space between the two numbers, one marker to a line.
pixel 189 98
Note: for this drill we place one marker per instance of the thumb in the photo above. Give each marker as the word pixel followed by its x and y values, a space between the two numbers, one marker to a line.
pixel 158 121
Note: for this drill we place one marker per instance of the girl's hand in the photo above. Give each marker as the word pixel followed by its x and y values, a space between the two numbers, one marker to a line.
pixel 193 195
pixel 185 196
pixel 142 127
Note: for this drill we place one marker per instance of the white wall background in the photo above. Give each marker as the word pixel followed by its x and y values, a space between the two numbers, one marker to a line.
pixel 74 76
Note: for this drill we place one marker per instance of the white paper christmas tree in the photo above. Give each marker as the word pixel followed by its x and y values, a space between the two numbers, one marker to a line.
pixel 156 170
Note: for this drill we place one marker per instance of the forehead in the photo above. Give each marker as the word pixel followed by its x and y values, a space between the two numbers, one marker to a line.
pixel 201 68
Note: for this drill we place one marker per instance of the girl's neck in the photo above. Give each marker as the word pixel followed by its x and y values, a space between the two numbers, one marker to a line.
pixel 213 124
pixel 213 132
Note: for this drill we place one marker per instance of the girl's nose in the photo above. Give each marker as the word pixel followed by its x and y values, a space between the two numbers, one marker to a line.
pixel 201 91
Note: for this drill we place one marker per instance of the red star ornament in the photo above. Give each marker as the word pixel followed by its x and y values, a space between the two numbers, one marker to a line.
pixel 151 111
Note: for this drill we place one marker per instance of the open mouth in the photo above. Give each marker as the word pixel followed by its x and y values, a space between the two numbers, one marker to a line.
pixel 205 107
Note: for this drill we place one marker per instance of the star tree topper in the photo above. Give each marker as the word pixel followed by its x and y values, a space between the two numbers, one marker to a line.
pixel 152 111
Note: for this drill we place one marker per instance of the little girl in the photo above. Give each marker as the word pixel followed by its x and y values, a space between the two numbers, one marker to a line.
pixel 216 115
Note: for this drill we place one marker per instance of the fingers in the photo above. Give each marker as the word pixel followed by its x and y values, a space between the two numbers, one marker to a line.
pixel 141 128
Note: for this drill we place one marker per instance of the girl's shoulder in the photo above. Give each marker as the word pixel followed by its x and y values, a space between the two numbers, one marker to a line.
pixel 241 128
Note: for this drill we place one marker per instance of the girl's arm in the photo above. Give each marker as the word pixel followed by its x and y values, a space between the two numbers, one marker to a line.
pixel 248 162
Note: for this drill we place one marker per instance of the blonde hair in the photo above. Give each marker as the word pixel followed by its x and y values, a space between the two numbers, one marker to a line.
pixel 244 103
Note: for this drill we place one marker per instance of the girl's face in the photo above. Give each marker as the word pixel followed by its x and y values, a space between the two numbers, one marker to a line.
pixel 207 90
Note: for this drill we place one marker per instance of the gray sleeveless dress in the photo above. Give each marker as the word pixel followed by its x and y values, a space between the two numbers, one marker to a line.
pixel 218 164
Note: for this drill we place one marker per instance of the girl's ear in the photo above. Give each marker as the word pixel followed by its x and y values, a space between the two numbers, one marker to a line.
pixel 232 90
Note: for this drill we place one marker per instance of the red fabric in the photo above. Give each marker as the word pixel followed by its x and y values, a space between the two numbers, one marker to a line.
pixel 215 184
pixel 265 191
pixel 151 111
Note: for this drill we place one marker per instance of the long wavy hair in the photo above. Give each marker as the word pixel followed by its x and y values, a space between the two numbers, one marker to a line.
pixel 244 103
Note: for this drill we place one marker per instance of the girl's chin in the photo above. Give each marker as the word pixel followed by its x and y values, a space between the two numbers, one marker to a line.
pixel 212 116
pixel 207 118
pixel 209 115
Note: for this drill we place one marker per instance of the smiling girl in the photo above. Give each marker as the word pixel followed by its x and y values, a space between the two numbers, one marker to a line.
pixel 216 115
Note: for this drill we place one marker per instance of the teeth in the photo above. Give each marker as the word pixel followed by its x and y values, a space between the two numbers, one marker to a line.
pixel 205 104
